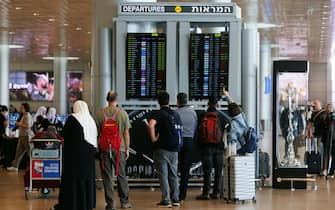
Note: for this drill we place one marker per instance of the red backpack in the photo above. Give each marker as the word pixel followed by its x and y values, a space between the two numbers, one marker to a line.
pixel 210 129
pixel 110 135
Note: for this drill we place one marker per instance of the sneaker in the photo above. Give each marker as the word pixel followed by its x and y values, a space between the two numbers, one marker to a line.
pixel 203 197
pixel 12 169
pixel 175 203
pixel 164 204
pixel 323 173
pixel 331 176
pixel 126 205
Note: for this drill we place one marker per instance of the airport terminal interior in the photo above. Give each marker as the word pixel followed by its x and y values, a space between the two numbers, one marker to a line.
pixel 231 101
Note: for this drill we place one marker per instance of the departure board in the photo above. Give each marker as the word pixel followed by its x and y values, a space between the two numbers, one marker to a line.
pixel 146 65
pixel 209 64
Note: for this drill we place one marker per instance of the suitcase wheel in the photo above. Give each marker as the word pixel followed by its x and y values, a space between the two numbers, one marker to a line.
pixel 45 192
pixel 254 200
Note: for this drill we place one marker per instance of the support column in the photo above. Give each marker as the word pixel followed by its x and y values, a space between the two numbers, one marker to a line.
pixel 60 97
pixel 265 85
pixel 4 72
pixel 4 54
pixel 103 12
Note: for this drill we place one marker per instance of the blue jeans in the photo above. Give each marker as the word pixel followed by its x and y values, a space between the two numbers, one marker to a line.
pixel 166 164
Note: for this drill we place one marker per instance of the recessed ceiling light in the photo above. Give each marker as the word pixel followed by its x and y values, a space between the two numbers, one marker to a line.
pixel 18 8
pixel 325 6
pixel 15 46
pixel 66 24
pixel 78 50
pixel 281 58
pixel 53 58
pixel 60 45
pixel 51 19
pixel 78 29
pixel 268 25
pixel 35 14
pixel 274 46
pixel 11 32
pixel 323 23
pixel 89 32
pixel 324 18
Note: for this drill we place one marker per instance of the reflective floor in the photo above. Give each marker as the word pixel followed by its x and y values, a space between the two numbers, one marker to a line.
pixel 12 198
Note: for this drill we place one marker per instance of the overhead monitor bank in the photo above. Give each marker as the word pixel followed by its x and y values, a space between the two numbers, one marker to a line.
pixel 178 47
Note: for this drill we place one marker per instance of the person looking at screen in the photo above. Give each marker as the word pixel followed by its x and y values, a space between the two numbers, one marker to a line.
pixel 25 134
pixel 40 92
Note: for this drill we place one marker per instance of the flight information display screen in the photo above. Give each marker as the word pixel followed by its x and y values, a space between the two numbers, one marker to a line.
pixel 209 64
pixel 146 65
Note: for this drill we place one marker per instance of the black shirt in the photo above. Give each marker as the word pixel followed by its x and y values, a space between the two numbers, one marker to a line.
pixel 167 139
pixel 319 121
pixel 2 125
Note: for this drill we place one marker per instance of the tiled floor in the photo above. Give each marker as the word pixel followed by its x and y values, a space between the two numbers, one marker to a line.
pixel 12 198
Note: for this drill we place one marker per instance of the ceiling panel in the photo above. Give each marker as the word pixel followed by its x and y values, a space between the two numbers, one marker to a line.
pixel 45 27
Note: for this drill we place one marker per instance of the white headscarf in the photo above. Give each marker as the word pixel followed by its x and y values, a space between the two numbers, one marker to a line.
pixel 52 114
pixel 82 114
pixel 42 110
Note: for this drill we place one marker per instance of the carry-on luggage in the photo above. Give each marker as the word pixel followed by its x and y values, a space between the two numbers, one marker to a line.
pixel 313 157
pixel 264 165
pixel 239 178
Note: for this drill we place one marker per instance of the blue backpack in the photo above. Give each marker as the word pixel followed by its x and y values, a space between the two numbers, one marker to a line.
pixel 250 137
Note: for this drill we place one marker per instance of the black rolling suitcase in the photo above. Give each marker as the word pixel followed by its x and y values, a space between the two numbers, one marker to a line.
pixel 264 165
pixel 312 157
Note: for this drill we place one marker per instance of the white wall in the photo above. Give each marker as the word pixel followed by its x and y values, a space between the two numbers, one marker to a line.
pixel 318 81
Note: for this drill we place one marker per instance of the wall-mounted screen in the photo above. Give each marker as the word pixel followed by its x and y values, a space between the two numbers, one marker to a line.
pixel 31 86
pixel 209 64
pixel 74 86
pixel 146 65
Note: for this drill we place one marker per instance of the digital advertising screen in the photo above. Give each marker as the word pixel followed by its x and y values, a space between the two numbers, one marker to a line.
pixel 146 65
pixel 74 86
pixel 31 86
pixel 209 64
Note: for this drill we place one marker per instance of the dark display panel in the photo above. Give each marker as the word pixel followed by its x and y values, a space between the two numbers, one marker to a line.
pixel 209 64
pixel 146 65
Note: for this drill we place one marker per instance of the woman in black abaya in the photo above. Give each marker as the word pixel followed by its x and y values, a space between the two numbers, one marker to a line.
pixel 77 191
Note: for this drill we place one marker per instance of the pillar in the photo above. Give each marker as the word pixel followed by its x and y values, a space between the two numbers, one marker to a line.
pixel 60 97
pixel 103 12
pixel 265 85
pixel 4 54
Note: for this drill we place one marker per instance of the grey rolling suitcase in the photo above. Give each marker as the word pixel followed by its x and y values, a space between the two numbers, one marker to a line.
pixel 239 178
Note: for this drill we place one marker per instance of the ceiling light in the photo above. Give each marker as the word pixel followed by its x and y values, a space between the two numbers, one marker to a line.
pixel 325 6
pixel 15 46
pixel 323 23
pixel 78 29
pixel 66 24
pixel 53 58
pixel 11 32
pixel 268 25
pixel 274 46
pixel 325 12
pixel 89 32
pixel 18 8
pixel 35 14
pixel 51 19
pixel 60 45
pixel 324 18
pixel 281 58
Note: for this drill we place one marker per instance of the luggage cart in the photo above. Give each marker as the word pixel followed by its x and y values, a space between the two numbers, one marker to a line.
pixel 45 168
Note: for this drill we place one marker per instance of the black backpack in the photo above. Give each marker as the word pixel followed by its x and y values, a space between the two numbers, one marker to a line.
pixel 173 126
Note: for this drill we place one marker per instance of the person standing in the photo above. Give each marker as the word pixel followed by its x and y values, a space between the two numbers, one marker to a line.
pixel 77 190
pixel 165 133
pixel 189 121
pixel 113 161
pixel 317 124
pixel 211 127
pixel 25 134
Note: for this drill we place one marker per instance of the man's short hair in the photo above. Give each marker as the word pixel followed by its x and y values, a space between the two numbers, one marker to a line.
pixel 182 99
pixel 112 96
pixel 163 98
pixel 212 101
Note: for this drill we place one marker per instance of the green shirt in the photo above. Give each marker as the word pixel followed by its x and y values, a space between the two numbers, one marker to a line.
pixel 122 119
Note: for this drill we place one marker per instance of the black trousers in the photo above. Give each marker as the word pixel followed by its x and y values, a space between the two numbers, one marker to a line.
pixel 212 157
pixel 332 165
pixel 185 161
